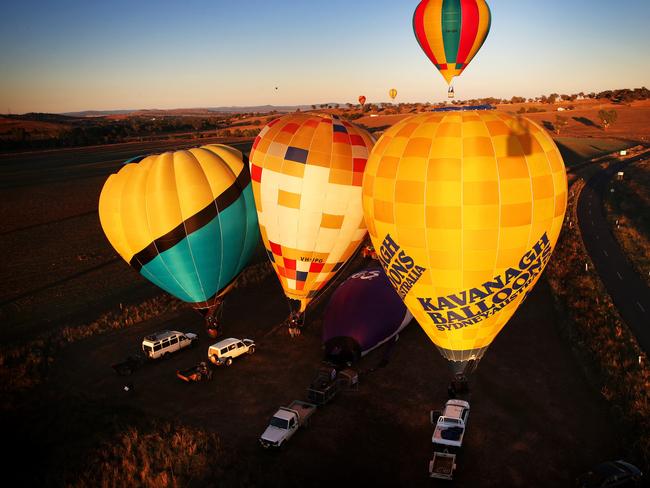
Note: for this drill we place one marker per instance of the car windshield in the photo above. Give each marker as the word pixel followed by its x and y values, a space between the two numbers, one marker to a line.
pixel 279 423
pixel 147 348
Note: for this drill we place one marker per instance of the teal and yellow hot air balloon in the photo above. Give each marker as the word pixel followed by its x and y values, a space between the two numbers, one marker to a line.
pixel 185 220
pixel 450 32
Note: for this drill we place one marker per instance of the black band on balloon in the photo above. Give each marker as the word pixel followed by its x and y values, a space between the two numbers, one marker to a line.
pixel 194 223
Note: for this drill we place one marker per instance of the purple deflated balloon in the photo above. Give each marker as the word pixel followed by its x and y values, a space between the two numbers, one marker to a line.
pixel 364 312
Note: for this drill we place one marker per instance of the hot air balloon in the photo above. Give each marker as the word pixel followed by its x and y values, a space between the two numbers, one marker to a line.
pixel 362 100
pixel 392 93
pixel 450 32
pixel 185 220
pixel 307 171
pixel 464 209
pixel 363 313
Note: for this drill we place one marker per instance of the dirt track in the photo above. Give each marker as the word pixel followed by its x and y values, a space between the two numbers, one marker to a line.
pixel 534 420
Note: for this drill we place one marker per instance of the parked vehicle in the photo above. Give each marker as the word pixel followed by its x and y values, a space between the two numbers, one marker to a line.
pixel 224 351
pixel 448 437
pixel 163 343
pixel 442 466
pixel 285 422
pixel 612 473
pixel 328 382
pixel 129 365
pixel 200 372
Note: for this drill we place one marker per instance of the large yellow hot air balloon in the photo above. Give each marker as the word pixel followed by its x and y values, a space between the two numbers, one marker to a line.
pixel 307 171
pixel 464 209
pixel 185 220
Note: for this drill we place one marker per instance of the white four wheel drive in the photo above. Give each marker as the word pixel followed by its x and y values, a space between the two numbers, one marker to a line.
pixel 163 343
pixel 223 352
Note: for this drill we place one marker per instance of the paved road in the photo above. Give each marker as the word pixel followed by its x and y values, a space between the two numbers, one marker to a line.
pixel 37 167
pixel 628 290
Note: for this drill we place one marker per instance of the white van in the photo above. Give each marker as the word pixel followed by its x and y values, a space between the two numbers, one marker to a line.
pixel 161 344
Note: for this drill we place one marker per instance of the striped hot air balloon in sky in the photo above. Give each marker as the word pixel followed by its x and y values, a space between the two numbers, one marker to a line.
pixel 185 220
pixel 451 32
pixel 307 171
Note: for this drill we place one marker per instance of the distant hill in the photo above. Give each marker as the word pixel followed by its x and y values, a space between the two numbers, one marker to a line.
pixel 190 111
pixel 98 113
pixel 260 108
pixel 44 117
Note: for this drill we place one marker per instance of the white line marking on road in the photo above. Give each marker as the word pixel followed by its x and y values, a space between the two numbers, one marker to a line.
pixel 641 307
pixel 619 276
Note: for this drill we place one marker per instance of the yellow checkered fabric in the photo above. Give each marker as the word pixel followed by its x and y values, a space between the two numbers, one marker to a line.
pixel 471 199
pixel 307 171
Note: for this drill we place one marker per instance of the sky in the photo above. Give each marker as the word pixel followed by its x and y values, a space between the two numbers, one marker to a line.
pixel 65 55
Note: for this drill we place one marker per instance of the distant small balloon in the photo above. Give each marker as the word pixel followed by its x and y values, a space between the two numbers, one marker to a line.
pixel 362 100
pixel 392 93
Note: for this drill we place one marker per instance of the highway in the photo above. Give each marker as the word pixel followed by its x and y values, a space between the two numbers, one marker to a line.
pixel 628 290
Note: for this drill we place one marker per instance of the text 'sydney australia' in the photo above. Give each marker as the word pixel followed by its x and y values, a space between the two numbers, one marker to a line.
pixel 468 307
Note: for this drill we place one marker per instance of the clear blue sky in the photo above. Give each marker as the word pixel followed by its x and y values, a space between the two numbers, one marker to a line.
pixel 67 55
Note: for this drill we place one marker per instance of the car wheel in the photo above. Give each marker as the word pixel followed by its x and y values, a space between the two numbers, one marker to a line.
pixel 228 361
pixel 251 350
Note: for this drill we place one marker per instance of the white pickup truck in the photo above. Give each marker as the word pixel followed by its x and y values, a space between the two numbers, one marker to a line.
pixel 285 422
pixel 448 437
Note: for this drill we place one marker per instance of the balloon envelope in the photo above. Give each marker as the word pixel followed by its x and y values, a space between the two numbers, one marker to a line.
pixel 464 210
pixel 363 313
pixel 451 32
pixel 185 220
pixel 362 100
pixel 392 93
pixel 307 171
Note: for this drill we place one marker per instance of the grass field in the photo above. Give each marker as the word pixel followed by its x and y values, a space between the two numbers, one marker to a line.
pixel 576 150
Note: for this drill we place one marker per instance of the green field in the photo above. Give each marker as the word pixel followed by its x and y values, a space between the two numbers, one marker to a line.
pixel 576 150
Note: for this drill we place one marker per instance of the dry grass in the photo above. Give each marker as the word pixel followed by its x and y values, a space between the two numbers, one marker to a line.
pixel 628 212
pixel 24 366
pixel 160 456
pixel 607 348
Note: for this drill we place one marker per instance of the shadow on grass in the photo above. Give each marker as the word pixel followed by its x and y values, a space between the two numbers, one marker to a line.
pixel 587 122
pixel 570 157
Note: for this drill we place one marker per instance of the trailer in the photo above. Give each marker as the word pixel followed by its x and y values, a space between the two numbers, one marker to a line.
pixel 129 365
pixel 442 466
pixel 200 372
pixel 328 382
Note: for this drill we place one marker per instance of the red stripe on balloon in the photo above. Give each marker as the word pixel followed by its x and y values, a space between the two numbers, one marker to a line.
pixel 420 33
pixel 469 28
